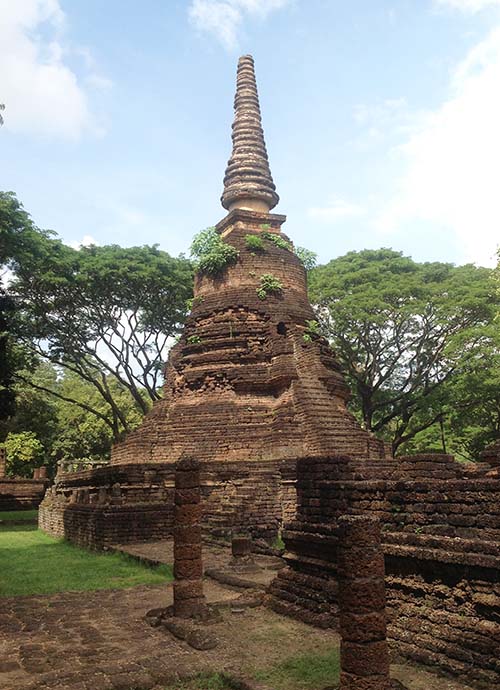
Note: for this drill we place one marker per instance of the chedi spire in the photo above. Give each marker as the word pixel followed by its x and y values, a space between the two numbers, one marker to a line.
pixel 248 183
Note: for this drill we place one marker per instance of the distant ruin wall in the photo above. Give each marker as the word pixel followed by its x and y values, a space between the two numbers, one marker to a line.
pixel 441 540
pixel 127 503
pixel 21 494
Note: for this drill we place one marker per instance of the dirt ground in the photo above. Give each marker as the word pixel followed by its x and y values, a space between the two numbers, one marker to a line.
pixel 100 641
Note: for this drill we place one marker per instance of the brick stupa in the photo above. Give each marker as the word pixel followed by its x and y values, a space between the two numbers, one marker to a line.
pixel 249 388
pixel 244 383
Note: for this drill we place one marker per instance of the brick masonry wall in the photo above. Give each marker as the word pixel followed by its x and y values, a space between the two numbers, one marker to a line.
pixel 127 503
pixel 441 545
pixel 21 494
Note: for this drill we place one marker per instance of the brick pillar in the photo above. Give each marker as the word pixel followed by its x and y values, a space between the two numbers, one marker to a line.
pixel 3 461
pixel 364 655
pixel 188 567
pixel 42 472
pixel 36 473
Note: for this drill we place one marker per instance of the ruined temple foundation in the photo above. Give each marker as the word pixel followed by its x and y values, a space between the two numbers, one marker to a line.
pixel 257 397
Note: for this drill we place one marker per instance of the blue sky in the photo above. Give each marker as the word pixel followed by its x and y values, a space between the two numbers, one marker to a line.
pixel 380 116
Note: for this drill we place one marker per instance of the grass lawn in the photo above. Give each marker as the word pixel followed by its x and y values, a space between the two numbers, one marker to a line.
pixel 15 515
pixel 31 562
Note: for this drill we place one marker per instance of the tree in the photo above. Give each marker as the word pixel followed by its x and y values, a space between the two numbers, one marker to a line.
pixel 7 364
pixel 103 313
pixel 24 453
pixel 402 330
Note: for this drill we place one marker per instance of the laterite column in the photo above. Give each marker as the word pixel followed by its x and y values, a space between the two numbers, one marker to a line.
pixel 188 567
pixel 364 656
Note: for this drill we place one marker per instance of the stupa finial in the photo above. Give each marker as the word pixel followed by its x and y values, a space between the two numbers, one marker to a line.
pixel 248 183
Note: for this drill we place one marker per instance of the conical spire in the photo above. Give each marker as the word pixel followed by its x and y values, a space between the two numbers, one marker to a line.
pixel 248 183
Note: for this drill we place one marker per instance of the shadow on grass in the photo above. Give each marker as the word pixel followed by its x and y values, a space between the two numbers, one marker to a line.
pixel 32 562
pixel 18 515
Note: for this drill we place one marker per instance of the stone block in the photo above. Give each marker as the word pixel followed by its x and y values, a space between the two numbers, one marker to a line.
pixel 187 496
pixel 187 515
pixel 363 627
pixel 188 589
pixel 362 596
pixel 361 562
pixel 188 569
pixel 364 659
pixel 187 480
pixel 187 534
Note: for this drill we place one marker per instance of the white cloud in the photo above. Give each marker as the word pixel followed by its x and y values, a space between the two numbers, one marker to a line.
pixel 86 241
pixel 223 18
pixel 336 210
pixel 468 5
pixel 453 160
pixel 42 94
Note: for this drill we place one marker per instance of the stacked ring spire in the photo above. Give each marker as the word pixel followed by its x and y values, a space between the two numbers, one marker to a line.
pixel 248 176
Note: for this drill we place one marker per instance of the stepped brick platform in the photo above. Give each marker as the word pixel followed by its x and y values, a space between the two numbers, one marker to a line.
pixel 441 540
pixel 21 494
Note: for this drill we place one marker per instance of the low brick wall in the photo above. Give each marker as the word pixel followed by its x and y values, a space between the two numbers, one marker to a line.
pixel 21 494
pixel 441 541
pixel 129 503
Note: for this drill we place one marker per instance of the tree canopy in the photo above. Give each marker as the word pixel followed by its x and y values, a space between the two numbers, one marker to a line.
pixel 402 330
pixel 102 313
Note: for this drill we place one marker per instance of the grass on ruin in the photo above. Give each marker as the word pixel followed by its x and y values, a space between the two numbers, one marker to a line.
pixel 31 562
pixel 304 672
pixel 18 515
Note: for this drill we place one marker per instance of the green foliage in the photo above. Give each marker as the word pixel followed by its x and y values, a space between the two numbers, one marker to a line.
pixel 194 302
pixel 278 543
pixel 7 358
pixel 212 255
pixel 31 562
pixel 24 453
pixel 277 240
pixel 312 326
pixel 312 330
pixel 404 332
pixel 307 257
pixel 68 415
pixel 269 285
pixel 254 243
pixel 194 339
